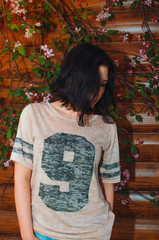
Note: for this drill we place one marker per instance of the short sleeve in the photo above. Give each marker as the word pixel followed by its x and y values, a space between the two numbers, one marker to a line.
pixel 109 168
pixel 22 151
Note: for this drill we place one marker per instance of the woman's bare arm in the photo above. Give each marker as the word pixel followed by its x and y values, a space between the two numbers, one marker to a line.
pixel 22 194
pixel 108 191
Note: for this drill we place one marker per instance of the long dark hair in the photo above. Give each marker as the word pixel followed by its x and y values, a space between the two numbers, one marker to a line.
pixel 78 83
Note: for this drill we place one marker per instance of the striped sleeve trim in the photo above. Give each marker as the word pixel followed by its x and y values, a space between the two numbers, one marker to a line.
pixel 109 166
pixel 23 148
pixel 110 175
pixel 24 143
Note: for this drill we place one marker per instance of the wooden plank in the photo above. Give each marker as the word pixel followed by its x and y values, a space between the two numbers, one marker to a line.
pixel 9 238
pixel 135 229
pixel 7 198
pixel 141 208
pixel 9 224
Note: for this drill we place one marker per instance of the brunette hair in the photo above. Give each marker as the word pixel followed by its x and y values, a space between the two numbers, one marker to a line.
pixel 78 83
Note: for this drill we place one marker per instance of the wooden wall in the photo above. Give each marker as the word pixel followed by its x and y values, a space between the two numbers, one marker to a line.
pixel 135 221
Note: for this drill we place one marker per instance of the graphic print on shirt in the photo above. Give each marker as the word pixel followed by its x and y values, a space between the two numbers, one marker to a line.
pixel 68 158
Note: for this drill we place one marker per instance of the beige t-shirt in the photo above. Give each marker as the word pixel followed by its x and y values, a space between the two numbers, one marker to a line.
pixel 66 161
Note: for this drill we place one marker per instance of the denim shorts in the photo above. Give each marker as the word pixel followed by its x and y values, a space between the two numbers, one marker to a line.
pixel 42 237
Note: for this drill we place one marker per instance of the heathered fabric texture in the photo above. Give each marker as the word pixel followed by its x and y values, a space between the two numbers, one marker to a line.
pixel 67 161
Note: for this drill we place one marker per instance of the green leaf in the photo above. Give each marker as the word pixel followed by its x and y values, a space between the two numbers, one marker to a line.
pixel 58 47
pixel 42 60
pixel 87 39
pixel 157 118
pixel 138 118
pixel 17 92
pixel 14 26
pixel 9 17
pixel 67 41
pixel 32 56
pixel 23 27
pixel 15 55
pixel 129 96
pixel 143 92
pixel 129 160
pixel 9 133
pixel 123 153
pixel 21 50
pixel 112 32
pixel 92 13
pixel 106 38
pixel 151 53
pixel 151 194
pixel 38 31
pixel 75 17
pixel 125 142
pixel 133 150
pixel 53 43
pixel 1 79
pixel 134 4
pixel 85 15
pixel 4 50
pixel 103 23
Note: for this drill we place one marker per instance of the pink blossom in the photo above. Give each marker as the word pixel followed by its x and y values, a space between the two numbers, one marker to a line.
pixel 138 36
pixel 29 94
pixel 6 164
pixel 11 142
pixel 125 201
pixel 103 14
pixel 130 71
pixel 140 142
pixel 116 62
pixel 17 44
pixel 147 113
pixel 144 58
pixel 136 156
pixel 147 45
pixel 155 86
pixel 119 94
pixel 28 34
pixel 126 174
pixel 155 20
pixel 142 51
pixel 46 99
pixel 47 52
pixel 38 24
pixel 103 30
pixel 77 29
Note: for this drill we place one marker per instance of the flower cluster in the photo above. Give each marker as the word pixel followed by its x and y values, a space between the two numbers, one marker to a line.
pixel 125 179
pixel 6 164
pixel 47 52
pixel 124 36
pixel 16 45
pixel 28 33
pixel 116 61
pixel 103 14
pixel 47 98
pixel 147 3
pixel 124 200
pixel 16 7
